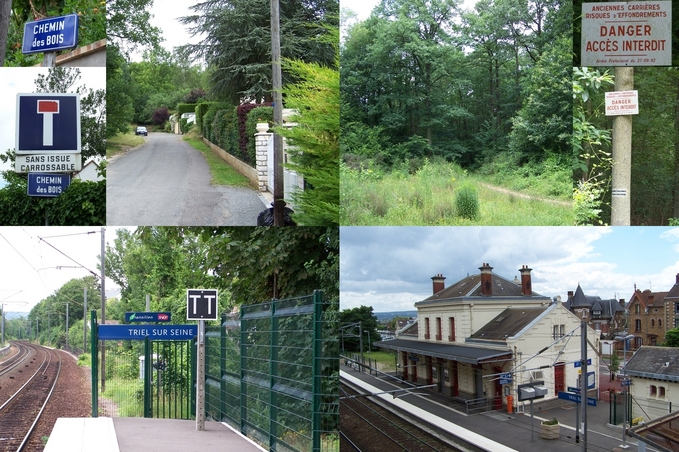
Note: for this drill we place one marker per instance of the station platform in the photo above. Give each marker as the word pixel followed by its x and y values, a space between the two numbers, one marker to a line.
pixel 104 434
pixel 498 430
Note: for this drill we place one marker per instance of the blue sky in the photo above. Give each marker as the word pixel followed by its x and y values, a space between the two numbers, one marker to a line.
pixel 390 268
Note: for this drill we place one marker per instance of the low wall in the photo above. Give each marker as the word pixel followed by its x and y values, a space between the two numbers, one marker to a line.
pixel 240 166
pixel 4 351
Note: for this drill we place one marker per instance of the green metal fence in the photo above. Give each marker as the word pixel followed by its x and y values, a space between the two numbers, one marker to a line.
pixel 272 371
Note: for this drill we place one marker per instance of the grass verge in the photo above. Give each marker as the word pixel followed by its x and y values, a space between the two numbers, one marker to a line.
pixel 122 142
pixel 222 172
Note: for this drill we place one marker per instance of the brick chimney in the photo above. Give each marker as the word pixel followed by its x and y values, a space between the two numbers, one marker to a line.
pixel 570 294
pixel 677 279
pixel 650 298
pixel 622 302
pixel 438 283
pixel 526 288
pixel 486 280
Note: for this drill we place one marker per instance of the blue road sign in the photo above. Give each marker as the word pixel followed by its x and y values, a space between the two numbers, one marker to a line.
pixel 577 398
pixel 147 317
pixel 48 122
pixel 51 34
pixel 505 378
pixel 579 364
pixel 154 332
pixel 573 389
pixel 47 185
pixel 626 382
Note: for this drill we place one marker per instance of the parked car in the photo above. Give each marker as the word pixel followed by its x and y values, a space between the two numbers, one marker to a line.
pixel 141 131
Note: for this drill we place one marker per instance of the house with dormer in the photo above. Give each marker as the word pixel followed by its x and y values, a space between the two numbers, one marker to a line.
pixel 607 317
pixel 485 325
pixel 654 372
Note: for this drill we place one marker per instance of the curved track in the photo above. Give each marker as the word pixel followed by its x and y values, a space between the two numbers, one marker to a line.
pixel 367 427
pixel 21 412
pixel 23 352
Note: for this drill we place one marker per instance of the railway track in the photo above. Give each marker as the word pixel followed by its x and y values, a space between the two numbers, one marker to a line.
pixel 367 427
pixel 23 352
pixel 21 412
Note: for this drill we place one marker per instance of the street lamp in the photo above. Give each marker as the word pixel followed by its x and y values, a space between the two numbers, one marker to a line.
pixel 624 338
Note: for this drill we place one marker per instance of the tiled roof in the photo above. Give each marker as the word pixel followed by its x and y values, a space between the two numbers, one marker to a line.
pixel 471 287
pixel 655 362
pixel 510 322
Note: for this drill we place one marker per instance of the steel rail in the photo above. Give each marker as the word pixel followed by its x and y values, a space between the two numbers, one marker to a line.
pixel 37 418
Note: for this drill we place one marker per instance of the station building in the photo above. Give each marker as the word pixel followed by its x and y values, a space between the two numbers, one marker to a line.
pixel 468 334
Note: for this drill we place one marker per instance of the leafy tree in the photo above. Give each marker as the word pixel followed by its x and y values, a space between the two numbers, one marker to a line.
pixel 237 42
pixel 672 338
pixel 614 366
pixel 364 315
pixel 128 24
pixel 160 115
pixel 119 106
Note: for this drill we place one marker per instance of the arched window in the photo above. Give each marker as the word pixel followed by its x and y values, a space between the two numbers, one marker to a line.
pixel 661 391
pixel 654 391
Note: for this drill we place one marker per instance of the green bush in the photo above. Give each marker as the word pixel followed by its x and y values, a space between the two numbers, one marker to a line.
pixel 467 202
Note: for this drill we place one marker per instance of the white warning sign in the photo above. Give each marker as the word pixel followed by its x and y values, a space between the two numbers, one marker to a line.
pixel 622 103
pixel 626 34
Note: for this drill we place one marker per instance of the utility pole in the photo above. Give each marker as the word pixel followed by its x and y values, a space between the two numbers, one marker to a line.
pixel 583 382
pixel 103 309
pixel 622 154
pixel 277 86
pixel 67 325
pixel 85 321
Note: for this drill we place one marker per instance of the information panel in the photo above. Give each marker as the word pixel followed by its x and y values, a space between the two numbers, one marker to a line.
pixel 626 34
pixel 153 332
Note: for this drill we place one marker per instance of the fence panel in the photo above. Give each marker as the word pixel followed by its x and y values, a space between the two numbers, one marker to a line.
pixel 277 381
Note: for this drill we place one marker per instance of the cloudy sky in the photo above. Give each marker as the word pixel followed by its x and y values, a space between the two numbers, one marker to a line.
pixel 164 16
pixel 390 268
pixel 29 265
pixel 16 80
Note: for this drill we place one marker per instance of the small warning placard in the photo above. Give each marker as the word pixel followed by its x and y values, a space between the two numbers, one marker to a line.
pixel 622 103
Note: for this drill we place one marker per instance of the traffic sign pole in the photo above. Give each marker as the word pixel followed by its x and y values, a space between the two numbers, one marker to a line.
pixel 200 386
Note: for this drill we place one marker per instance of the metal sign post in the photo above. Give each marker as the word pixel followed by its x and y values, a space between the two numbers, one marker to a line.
pixel 201 305
pixel 200 378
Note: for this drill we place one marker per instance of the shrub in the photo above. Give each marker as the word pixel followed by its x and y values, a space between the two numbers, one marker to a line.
pixel 467 202
pixel 552 421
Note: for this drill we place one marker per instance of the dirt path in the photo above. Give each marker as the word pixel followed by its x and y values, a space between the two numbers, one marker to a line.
pixel 525 196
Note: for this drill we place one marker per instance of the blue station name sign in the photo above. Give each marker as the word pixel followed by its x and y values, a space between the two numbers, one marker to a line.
pixel 51 34
pixel 153 332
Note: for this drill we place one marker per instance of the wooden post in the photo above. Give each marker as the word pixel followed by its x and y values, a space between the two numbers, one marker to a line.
pixel 622 154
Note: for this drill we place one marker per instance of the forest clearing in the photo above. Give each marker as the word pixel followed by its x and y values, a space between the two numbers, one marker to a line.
pixel 445 194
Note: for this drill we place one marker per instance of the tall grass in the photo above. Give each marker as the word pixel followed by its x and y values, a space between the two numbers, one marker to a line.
pixel 370 196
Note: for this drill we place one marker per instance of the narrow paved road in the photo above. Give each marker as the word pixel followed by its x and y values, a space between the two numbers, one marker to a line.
pixel 166 182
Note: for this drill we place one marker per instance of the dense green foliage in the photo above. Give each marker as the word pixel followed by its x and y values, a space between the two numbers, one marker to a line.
pixel 314 142
pixel 487 89
pixel 92 24
pixel 50 313
pixel 672 338
pixel 237 42
pixel 247 265
pixel 467 202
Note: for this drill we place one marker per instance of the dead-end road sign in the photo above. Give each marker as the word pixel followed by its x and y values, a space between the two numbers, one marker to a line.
pixel 201 304
pixel 48 123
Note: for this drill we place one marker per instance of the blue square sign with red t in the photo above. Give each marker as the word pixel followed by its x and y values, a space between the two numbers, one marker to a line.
pixel 48 122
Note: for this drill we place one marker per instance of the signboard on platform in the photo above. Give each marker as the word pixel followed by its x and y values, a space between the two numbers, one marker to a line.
pixel 626 34
pixel 201 304
pixel 147 317
pixel 577 398
pixel 579 364
pixel 50 34
pixel 153 332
